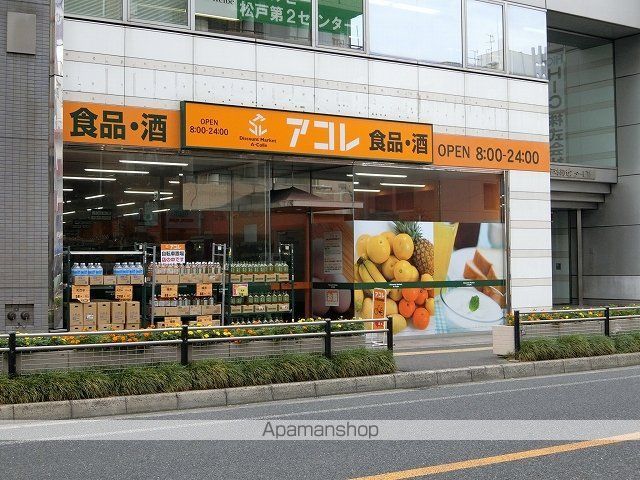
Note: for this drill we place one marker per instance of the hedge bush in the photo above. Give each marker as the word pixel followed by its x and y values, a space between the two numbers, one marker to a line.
pixel 206 374
pixel 573 346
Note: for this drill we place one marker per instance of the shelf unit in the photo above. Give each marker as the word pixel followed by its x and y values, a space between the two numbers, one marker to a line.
pixel 139 252
pixel 218 254
pixel 285 254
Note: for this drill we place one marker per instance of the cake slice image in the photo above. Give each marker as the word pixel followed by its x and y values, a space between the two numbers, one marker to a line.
pixel 487 264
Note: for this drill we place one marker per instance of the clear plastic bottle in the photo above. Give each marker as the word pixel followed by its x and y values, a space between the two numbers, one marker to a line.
pixel 75 269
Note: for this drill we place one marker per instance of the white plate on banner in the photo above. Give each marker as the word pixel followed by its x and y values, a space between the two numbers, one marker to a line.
pixel 455 307
pixel 457 262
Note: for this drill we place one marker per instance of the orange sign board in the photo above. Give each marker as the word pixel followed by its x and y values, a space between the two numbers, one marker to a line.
pixel 168 291
pixel 124 292
pixel 379 306
pixel 498 153
pixel 204 289
pixel 297 133
pixel 121 125
pixel 82 293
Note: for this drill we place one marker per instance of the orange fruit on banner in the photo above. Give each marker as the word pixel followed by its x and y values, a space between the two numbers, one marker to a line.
pixel 421 318
pixel 406 308
pixel 410 294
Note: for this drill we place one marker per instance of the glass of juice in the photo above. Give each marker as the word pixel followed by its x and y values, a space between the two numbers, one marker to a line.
pixel 444 237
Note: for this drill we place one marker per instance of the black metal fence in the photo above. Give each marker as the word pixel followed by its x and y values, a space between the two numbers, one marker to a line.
pixel 587 321
pixel 183 345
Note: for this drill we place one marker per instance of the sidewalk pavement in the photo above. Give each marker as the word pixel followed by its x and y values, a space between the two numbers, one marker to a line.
pixel 444 351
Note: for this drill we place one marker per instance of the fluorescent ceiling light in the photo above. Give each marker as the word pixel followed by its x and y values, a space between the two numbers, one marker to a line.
pixel 95 208
pixel 166 198
pixel 103 170
pixel 370 190
pixel 95 196
pixel 412 185
pixel 174 181
pixel 356 183
pixel 149 162
pixel 181 174
pixel 67 189
pixel 69 213
pixel 96 179
pixel 68 201
pixel 147 192
pixel 161 210
pixel 125 204
pixel 383 175
pixel 130 214
pixel 349 174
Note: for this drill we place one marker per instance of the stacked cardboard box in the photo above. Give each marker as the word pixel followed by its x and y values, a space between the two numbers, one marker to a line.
pixel 104 315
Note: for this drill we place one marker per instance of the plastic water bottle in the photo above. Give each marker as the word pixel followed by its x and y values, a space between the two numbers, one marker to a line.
pixel 82 270
pixel 91 270
pixel 117 269
pixel 140 268
pixel 99 269
pixel 74 270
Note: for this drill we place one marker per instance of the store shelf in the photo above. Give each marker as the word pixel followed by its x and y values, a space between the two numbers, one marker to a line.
pixel 190 315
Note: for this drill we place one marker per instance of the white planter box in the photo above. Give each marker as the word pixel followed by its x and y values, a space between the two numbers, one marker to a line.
pixel 503 342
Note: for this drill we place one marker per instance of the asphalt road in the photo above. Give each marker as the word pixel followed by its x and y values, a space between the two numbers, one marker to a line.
pixel 602 395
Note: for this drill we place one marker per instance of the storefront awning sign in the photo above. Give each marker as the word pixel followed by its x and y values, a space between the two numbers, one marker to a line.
pixel 297 133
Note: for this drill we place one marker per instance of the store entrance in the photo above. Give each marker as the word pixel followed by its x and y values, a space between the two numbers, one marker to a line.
pixel 564 251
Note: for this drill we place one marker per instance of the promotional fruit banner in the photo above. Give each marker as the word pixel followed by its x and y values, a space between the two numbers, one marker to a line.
pixel 441 277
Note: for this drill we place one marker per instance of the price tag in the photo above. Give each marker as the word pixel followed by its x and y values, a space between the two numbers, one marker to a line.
pixel 332 298
pixel 240 290
pixel 82 293
pixel 204 290
pixel 124 292
pixel 168 291
pixel 379 306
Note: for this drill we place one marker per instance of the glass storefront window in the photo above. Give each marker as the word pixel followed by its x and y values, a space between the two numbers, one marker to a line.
pixel 485 38
pixel 341 24
pixel 286 21
pixel 160 11
pixel 424 30
pixel 527 39
pixel 581 100
pixel 111 9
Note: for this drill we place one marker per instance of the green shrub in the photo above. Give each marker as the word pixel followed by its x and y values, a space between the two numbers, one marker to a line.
pixel 207 374
pixel 627 343
pixel 601 345
pixel 572 346
pixel 541 349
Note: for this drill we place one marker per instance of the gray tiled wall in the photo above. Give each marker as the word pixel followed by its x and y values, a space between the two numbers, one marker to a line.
pixel 24 184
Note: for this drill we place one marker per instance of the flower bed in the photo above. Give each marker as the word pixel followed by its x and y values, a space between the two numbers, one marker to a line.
pixel 562 313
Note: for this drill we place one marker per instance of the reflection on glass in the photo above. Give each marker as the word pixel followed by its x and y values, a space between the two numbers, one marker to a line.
pixel 425 30
pixel 527 42
pixel 340 23
pixel 111 9
pixel 581 102
pixel 161 11
pixel 484 35
pixel 288 21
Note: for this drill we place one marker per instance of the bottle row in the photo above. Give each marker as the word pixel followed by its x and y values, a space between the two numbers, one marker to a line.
pixel 257 268
pixel 188 268
pixel 261 299
pixel 96 269
pixel 257 320
pixel 183 301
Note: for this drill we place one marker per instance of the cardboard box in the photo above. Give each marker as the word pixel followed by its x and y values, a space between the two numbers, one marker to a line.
pixel 235 278
pixel 247 277
pixel 173 279
pixel 204 320
pixel 104 312
pixel 160 324
pixel 137 279
pixel 132 326
pixel 160 279
pixel 96 280
pixel 89 328
pixel 208 309
pixel 236 308
pixel 217 309
pixel 81 280
pixel 118 312
pixel 132 312
pixel 172 312
pixel 159 311
pixel 248 308
pixel 75 328
pixel 172 321
pixel 89 313
pixel 183 310
pixel 117 326
pixel 195 310
pixel 104 326
pixel 123 279
pixel 283 307
pixel 187 278
pixel 212 278
pixel 259 277
pixel 108 279
pixel 271 277
pixel 283 277
pixel 272 307
pixel 75 314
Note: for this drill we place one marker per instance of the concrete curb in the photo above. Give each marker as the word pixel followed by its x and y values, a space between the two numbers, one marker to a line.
pixel 159 402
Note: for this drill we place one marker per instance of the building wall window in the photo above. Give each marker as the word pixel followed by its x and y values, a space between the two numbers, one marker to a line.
pixel 485 38
pixel 425 30
pixel 581 100
pixel 341 23
pixel 160 11
pixel 527 39
pixel 111 9
pixel 286 21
